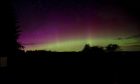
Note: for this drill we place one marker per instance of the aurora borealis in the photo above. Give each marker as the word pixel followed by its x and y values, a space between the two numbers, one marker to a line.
pixel 67 25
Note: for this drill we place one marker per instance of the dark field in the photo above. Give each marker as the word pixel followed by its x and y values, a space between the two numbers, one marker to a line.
pixel 77 67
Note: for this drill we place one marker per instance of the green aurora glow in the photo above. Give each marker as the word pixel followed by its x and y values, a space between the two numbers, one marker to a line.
pixel 77 45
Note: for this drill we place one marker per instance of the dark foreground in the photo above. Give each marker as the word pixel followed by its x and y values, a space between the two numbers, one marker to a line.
pixel 76 67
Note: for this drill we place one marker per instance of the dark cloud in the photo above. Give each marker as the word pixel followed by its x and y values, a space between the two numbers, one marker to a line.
pixel 134 36
pixel 135 45
pixel 137 42
pixel 129 37
pixel 132 47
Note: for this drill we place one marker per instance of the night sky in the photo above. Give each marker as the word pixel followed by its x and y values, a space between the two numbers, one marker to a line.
pixel 67 25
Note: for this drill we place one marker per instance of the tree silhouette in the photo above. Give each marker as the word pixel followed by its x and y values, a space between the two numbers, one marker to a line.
pixel 94 49
pixel 112 47
pixel 97 49
pixel 9 33
pixel 18 45
pixel 86 48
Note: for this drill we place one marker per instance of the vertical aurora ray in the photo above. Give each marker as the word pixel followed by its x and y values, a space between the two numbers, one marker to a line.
pixel 89 35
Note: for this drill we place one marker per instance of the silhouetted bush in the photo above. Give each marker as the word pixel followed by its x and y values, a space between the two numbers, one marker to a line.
pixel 112 47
